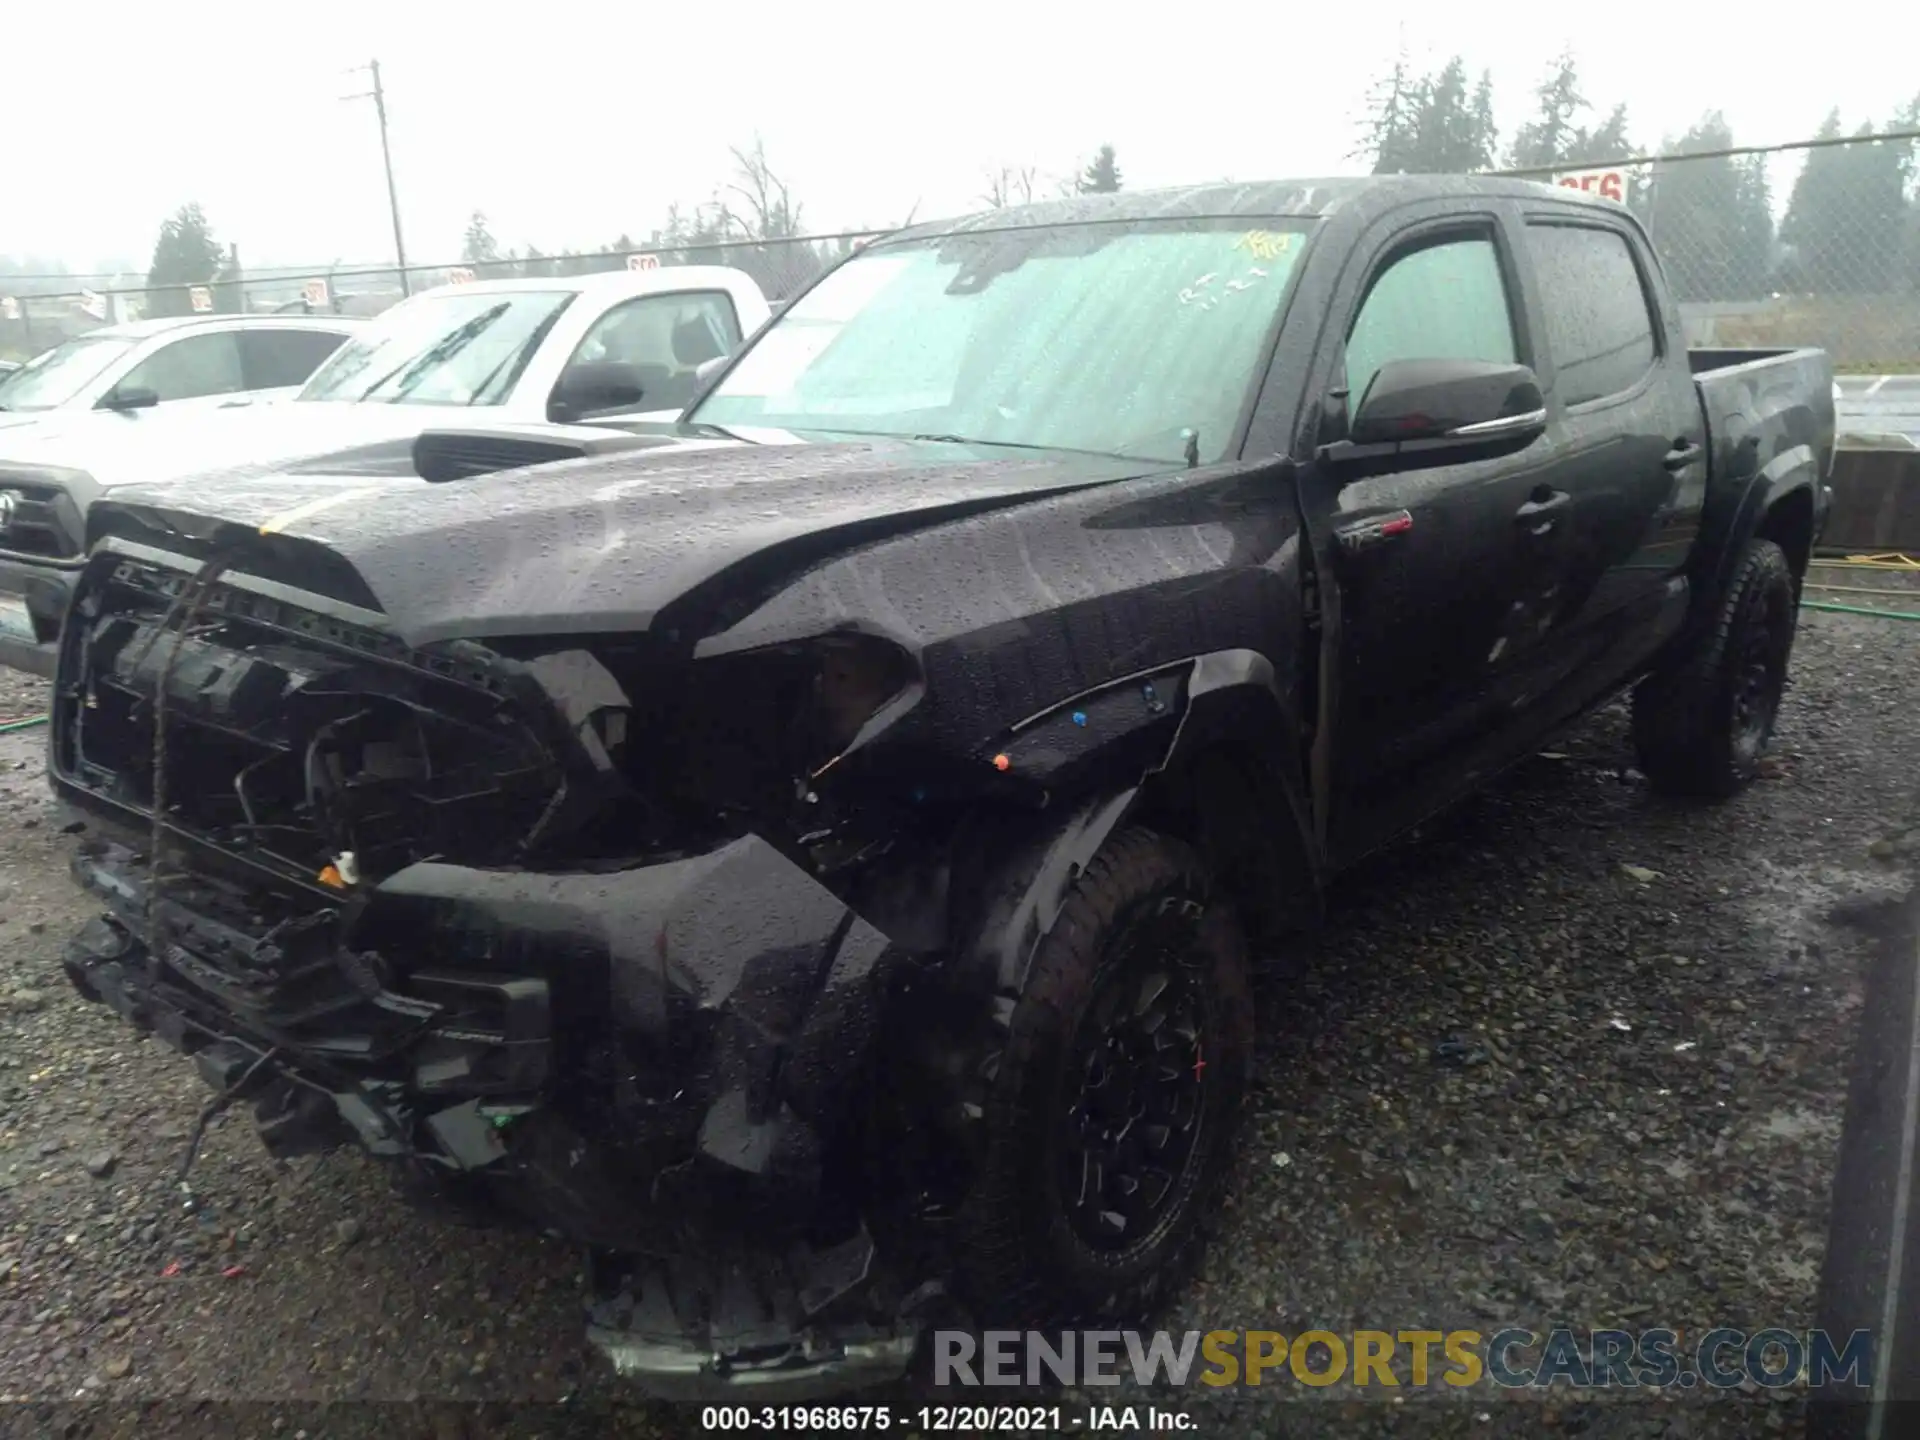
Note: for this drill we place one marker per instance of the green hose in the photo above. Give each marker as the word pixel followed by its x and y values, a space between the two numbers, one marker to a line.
pixel 1858 610
pixel 27 724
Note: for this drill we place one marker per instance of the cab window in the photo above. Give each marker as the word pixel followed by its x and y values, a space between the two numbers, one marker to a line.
pixel 665 338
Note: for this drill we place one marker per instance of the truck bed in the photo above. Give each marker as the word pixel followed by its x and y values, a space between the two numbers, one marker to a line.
pixel 1770 417
pixel 1724 357
pixel 1779 401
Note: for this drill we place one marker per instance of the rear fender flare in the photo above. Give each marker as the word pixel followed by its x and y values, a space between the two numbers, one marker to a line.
pixel 1796 468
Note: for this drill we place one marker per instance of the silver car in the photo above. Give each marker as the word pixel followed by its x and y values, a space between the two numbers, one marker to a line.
pixel 198 360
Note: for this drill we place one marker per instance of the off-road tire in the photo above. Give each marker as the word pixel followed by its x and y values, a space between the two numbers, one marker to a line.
pixel 1698 728
pixel 1018 1257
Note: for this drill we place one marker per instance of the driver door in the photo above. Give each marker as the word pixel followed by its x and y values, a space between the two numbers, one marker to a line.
pixel 1444 580
pixel 204 368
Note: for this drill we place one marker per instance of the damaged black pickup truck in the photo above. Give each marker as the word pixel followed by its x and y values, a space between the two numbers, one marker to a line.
pixel 816 861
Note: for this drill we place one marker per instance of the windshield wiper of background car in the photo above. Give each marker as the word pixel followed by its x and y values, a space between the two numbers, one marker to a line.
pixel 447 346
pixel 712 431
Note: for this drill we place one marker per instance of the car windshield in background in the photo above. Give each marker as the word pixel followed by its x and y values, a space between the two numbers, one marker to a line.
pixel 460 348
pixel 1138 338
pixel 55 376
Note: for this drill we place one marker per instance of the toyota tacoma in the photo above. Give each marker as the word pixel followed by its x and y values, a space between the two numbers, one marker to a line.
pixel 816 861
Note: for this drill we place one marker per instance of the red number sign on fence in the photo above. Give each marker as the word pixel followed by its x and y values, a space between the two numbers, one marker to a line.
pixel 1607 184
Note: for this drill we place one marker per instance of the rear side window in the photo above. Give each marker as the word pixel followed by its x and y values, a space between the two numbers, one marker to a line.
pixel 1444 301
pixel 274 359
pixel 1599 329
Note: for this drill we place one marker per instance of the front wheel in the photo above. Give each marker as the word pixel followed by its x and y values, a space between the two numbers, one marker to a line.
pixel 1111 1110
pixel 1702 724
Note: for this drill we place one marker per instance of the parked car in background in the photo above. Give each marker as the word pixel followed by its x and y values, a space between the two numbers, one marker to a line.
pixel 818 865
pixel 196 360
pixel 499 352
pixel 561 350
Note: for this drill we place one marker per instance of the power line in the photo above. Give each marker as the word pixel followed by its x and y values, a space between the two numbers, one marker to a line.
pixel 288 274
pixel 1730 152
pixel 320 272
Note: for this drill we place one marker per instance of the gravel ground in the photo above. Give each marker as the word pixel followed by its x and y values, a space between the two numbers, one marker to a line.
pixel 1573 1056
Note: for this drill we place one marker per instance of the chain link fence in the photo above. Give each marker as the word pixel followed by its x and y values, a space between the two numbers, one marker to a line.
pixel 1811 243
pixel 37 315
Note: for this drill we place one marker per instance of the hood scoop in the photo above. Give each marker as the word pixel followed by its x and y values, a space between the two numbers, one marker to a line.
pixel 443 455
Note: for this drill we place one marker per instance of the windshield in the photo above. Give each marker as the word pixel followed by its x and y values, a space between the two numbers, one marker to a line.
pixel 448 349
pixel 55 376
pixel 1134 338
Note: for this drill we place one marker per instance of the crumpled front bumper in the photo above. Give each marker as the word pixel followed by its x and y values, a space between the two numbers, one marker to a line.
pixel 752 1327
pixel 704 1282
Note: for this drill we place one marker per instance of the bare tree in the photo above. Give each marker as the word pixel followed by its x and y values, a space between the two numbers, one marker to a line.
pixel 1009 186
pixel 771 211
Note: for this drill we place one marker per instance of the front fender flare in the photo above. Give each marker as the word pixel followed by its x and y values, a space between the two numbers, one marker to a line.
pixel 1139 743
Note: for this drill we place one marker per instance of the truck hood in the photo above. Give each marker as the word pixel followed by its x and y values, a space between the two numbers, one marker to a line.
pixel 601 545
pixel 158 445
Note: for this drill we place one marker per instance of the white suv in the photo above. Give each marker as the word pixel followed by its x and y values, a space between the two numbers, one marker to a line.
pixel 202 359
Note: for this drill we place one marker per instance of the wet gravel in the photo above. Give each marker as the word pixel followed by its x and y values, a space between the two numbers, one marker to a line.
pixel 1576 1055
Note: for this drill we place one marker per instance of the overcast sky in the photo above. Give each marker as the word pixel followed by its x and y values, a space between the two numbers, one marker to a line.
pixel 568 123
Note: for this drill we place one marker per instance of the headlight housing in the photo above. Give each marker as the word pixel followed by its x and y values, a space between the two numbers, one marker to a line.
pixel 856 678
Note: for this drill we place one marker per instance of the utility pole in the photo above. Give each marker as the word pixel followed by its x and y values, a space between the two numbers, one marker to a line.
pixel 379 97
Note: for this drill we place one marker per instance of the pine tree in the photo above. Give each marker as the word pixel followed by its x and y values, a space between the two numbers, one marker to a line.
pixel 1452 131
pixel 185 255
pixel 1392 106
pixel 1102 175
pixel 1599 146
pixel 1847 220
pixel 1711 218
pixel 1486 135
pixel 479 247
pixel 1548 138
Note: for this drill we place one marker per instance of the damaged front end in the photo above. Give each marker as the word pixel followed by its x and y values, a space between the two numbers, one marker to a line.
pixel 566 923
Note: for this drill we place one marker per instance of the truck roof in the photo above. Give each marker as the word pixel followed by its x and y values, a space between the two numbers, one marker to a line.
pixel 1305 199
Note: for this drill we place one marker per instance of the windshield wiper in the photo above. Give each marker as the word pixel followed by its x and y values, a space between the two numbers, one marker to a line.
pixel 707 427
pixel 964 440
pixel 448 345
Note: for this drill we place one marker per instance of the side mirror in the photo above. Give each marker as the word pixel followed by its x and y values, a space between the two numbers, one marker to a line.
pixel 1440 412
pixel 130 397
pixel 707 369
pixel 595 385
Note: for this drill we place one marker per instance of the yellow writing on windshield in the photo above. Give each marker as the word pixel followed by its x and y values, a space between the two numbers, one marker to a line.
pixel 1266 244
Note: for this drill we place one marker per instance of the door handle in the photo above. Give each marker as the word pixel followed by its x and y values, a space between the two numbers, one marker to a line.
pixel 1365 533
pixel 1542 508
pixel 1683 454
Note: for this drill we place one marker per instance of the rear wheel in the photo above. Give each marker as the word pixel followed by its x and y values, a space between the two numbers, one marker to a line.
pixel 1702 724
pixel 1110 1114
